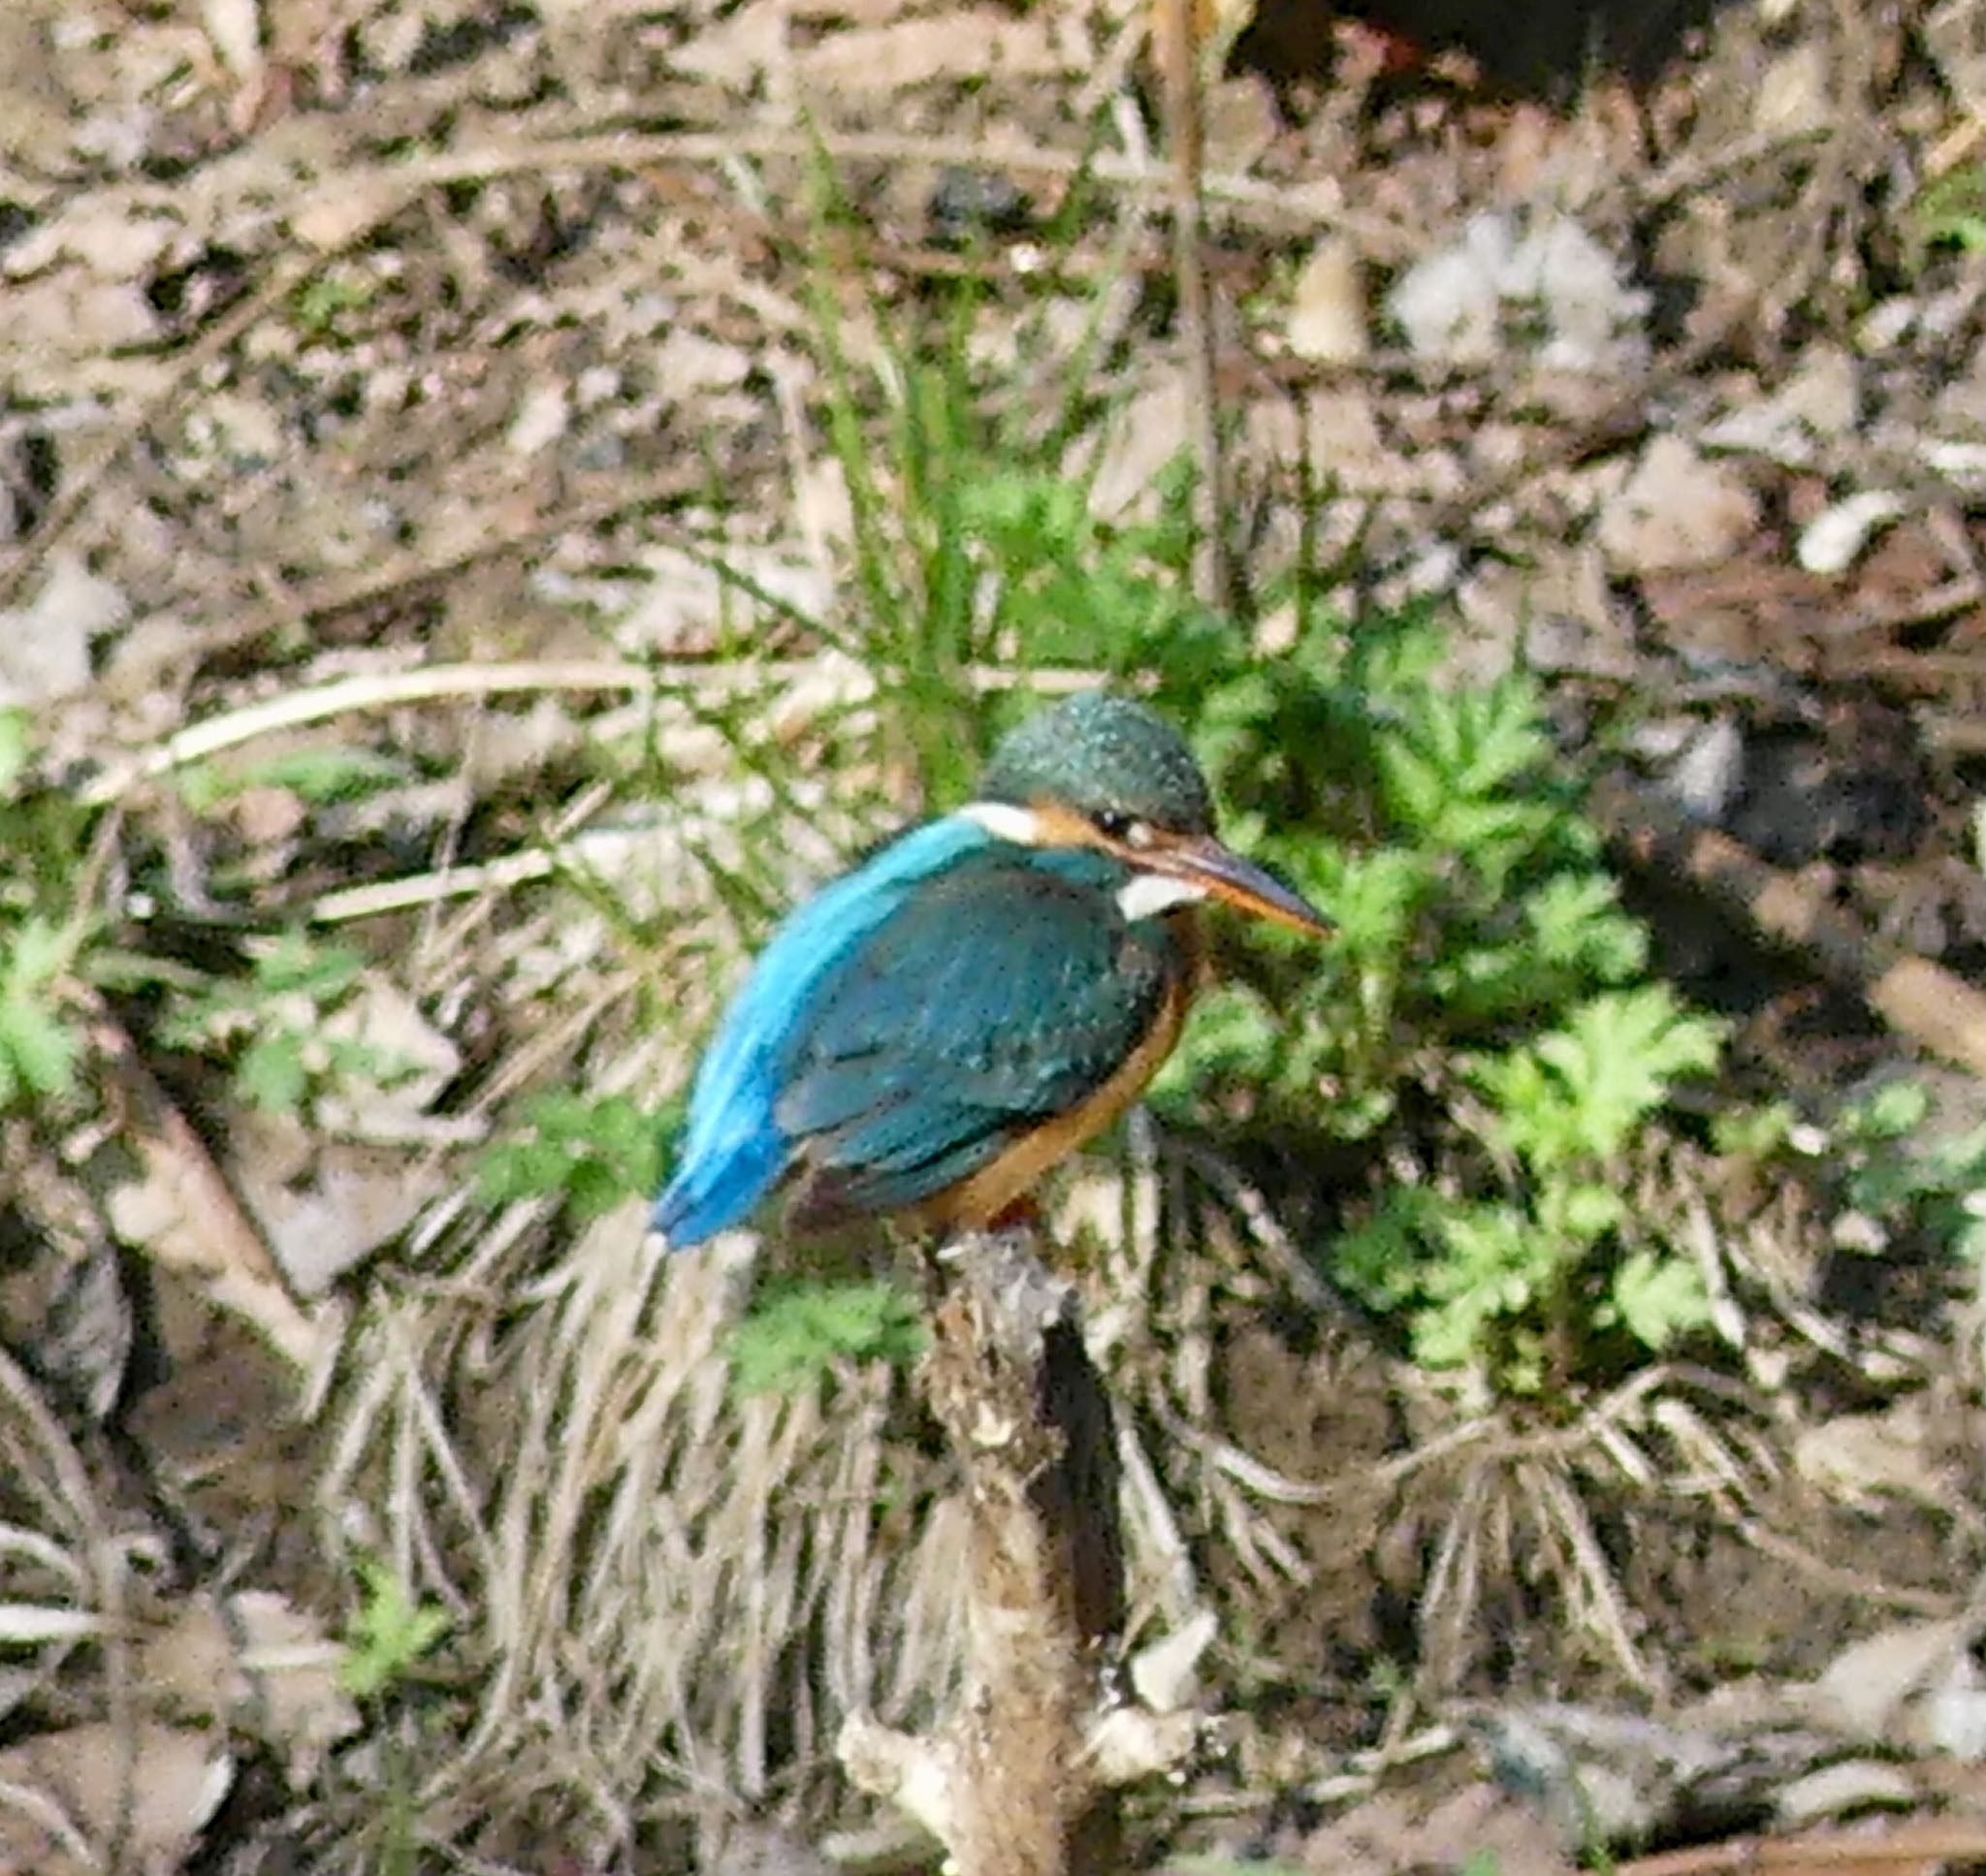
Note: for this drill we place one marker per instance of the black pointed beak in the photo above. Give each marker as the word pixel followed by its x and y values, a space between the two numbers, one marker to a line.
pixel 1244 885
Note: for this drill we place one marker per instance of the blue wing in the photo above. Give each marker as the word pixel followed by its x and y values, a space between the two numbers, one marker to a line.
pixel 904 1026
pixel 998 996
pixel 733 1150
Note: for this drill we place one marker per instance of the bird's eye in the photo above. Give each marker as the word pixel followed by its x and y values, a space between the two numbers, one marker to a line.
pixel 1114 824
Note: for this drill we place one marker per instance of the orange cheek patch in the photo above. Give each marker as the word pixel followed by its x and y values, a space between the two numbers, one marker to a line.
pixel 1061 826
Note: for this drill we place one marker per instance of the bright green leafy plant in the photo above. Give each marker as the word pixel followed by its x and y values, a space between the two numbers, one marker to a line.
pixel 47 934
pixel 1902 1173
pixel 270 1026
pixel 316 774
pixel 390 1634
pixel 1487 1000
pixel 591 1154
pixel 1510 1283
pixel 800 1332
pixel 38 1041
pixel 1435 825
pixel 1950 212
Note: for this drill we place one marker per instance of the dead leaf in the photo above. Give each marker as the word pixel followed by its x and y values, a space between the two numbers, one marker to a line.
pixel 324 1206
pixel 45 647
pixel 235 28
pixel 67 1800
pixel 417 1062
pixel 957 47
pixel 336 216
pixel 691 363
pixel 1859 1459
pixel 113 239
pixel 260 1665
pixel 733 52
pixel 1914 1684
pixel 1820 401
pixel 1677 511
pixel 33 113
pixel 1346 441
pixel 1851 1787
pixel 72 315
pixel 1150 433
pixel 544 415
pixel 1795 95
pixel 181 1210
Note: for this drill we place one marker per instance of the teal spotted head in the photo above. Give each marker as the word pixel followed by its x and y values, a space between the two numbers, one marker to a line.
pixel 931 1032
pixel 1105 757
pixel 1109 774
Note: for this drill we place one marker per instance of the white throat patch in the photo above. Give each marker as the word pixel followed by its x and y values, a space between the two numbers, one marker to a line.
pixel 1145 894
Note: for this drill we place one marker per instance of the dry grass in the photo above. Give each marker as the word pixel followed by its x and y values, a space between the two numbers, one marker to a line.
pixel 673 1592
pixel 65 1567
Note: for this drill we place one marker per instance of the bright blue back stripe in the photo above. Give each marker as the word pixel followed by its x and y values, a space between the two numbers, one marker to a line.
pixel 732 1151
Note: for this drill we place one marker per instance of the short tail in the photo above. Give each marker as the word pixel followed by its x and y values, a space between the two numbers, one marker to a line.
pixel 703 1199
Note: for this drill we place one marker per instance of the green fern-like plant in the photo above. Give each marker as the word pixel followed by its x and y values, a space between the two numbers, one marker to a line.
pixel 1483 956
pixel 590 1154
pixel 794 1336
pixel 1512 1284
pixel 269 1026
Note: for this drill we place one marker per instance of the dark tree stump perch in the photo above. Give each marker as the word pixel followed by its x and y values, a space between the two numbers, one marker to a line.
pixel 1023 1778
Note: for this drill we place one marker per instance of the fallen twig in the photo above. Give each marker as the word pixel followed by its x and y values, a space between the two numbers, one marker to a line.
pixel 1918 1844
pixel 1917 998
pixel 459 682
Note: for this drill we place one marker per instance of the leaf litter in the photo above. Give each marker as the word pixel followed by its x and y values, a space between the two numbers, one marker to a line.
pixel 358 343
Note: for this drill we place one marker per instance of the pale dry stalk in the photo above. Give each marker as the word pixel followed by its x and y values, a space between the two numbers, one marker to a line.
pixel 1022 1778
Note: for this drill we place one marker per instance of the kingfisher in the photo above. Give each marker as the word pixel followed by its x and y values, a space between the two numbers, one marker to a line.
pixel 937 1028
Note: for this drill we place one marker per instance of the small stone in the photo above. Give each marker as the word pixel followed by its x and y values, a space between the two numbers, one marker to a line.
pixel 541 419
pixel 1328 315
pixel 1710 772
pixel 1833 540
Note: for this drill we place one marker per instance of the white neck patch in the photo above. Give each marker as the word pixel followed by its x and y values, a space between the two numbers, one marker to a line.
pixel 1004 821
pixel 1145 894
